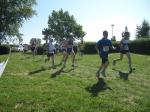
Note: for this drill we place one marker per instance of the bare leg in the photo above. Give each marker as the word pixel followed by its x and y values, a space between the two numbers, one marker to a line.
pixel 129 61
pixel 119 59
pixel 104 68
pixel 99 70
pixel 53 60
pixel 53 65
pixel 73 58
pixel 65 59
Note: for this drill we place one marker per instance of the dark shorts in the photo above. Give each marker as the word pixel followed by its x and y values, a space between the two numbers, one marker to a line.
pixel 104 59
pixel 124 51
pixel 64 50
pixel 69 50
pixel 32 49
pixel 50 54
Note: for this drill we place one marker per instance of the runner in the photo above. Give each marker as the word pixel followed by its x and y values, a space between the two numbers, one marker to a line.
pixel 102 48
pixel 124 49
pixel 70 51
pixel 50 53
pixel 63 45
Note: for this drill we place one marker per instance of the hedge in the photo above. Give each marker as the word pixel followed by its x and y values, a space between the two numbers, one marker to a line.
pixel 4 49
pixel 140 46
pixel 40 50
pixel 89 48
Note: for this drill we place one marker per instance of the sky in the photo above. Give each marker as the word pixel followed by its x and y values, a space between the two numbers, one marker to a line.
pixel 94 15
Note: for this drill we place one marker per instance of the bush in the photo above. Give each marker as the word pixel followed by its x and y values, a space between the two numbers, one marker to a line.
pixel 89 48
pixel 4 49
pixel 40 50
pixel 140 46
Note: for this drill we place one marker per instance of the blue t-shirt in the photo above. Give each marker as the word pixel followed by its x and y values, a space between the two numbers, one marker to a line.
pixel 104 46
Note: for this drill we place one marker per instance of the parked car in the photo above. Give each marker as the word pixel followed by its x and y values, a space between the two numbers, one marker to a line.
pixel 17 48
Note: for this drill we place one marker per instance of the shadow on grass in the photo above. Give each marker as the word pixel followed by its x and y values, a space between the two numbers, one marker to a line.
pixel 53 75
pixel 57 65
pixel 123 75
pixel 68 70
pixel 98 87
pixel 37 71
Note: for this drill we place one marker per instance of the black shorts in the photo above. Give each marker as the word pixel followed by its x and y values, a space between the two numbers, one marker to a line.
pixel 64 50
pixel 32 49
pixel 104 59
pixel 69 50
pixel 124 51
pixel 50 54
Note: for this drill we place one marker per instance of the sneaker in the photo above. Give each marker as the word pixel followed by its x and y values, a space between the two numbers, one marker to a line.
pixel 73 65
pixel 53 67
pixel 114 62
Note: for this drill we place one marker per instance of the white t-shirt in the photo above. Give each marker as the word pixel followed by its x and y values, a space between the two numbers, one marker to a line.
pixel 125 44
pixel 51 48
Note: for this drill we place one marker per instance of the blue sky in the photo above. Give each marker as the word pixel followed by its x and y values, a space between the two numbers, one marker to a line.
pixel 94 15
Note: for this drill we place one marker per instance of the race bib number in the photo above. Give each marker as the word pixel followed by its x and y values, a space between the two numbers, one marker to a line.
pixel 106 48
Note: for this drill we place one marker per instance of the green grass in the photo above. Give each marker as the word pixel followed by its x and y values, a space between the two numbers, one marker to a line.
pixel 27 86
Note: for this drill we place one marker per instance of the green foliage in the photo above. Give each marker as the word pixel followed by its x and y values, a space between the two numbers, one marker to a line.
pixel 40 50
pixel 61 24
pixel 89 48
pixel 143 31
pixel 35 41
pixel 4 49
pixel 13 13
pixel 140 46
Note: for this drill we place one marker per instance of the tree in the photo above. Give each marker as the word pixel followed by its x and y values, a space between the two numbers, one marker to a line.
pixel 45 32
pixel 35 41
pixel 61 25
pixel 13 13
pixel 19 37
pixel 143 30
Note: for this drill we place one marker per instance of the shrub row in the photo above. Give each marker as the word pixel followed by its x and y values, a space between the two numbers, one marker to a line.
pixel 4 49
pixel 140 46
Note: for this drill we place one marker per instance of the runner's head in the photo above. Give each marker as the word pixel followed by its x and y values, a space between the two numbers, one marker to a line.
pixel 126 35
pixel 50 40
pixel 105 34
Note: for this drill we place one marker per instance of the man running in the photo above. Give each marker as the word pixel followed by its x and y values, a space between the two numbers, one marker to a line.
pixel 102 48
pixel 50 53
pixel 70 50
pixel 63 45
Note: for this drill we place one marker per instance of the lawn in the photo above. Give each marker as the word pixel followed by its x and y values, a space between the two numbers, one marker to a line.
pixel 29 85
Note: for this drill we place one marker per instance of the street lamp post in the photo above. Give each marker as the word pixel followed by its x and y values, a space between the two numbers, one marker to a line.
pixel 112 29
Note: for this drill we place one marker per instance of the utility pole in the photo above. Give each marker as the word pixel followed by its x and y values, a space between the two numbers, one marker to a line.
pixel 112 29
